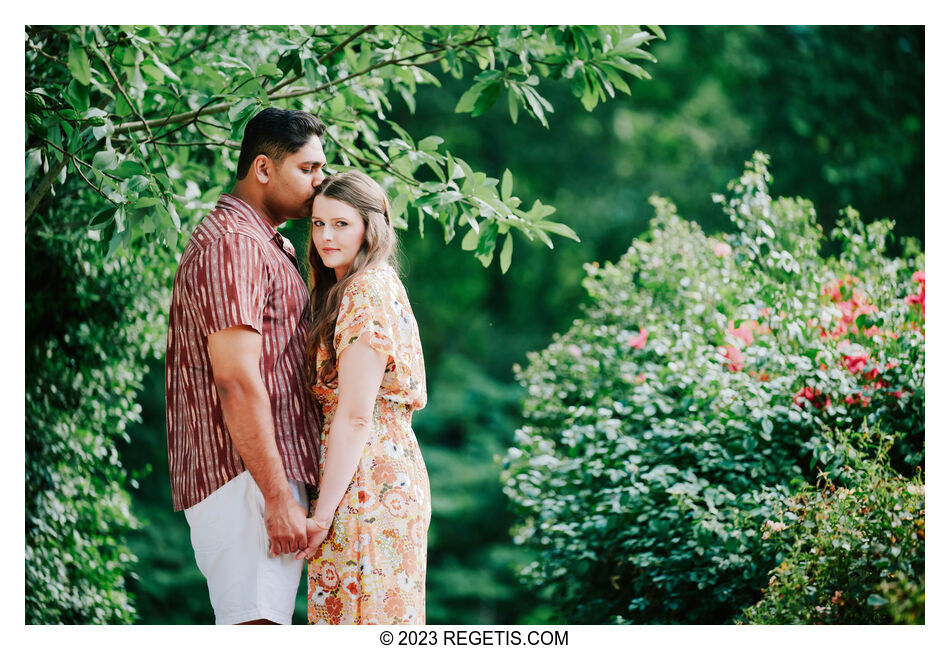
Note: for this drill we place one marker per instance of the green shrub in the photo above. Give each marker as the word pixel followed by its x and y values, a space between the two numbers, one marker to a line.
pixel 852 551
pixel 89 324
pixel 666 424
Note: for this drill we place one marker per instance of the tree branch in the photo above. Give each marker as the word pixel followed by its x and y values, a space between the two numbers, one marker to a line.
pixel 325 57
pixel 222 107
pixel 44 186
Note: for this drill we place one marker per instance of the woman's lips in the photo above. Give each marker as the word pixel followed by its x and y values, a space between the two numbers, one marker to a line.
pixel 330 250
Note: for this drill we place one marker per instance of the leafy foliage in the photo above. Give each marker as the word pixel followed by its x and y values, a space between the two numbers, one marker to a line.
pixel 131 110
pixel 852 549
pixel 665 424
pixel 84 374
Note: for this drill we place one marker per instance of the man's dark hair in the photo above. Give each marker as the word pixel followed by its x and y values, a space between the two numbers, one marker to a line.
pixel 276 132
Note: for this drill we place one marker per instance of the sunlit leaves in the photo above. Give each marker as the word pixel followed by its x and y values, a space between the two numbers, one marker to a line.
pixel 197 87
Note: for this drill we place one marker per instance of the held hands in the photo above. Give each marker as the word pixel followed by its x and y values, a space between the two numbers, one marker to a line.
pixel 285 521
pixel 316 534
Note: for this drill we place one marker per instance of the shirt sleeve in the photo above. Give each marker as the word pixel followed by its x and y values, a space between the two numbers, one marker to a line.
pixel 231 284
pixel 365 309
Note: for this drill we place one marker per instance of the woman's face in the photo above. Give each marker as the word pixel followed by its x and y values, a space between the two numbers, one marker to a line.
pixel 337 231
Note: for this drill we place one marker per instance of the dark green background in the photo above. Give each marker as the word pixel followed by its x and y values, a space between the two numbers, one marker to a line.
pixel 840 111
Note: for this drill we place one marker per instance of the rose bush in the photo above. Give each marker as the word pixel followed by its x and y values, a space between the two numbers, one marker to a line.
pixel 851 548
pixel 666 425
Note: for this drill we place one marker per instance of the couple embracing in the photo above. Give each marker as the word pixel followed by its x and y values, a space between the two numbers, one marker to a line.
pixel 289 410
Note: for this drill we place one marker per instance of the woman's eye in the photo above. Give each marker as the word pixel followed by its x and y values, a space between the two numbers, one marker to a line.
pixel 341 224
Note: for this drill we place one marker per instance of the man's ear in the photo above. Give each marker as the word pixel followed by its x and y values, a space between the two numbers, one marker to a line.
pixel 262 167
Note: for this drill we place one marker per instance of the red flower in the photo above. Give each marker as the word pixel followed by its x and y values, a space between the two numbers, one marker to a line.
pixel 918 276
pixel 327 575
pixel 855 363
pixel 743 332
pixel 733 356
pixel 857 398
pixel 334 607
pixel 637 342
pixel 807 393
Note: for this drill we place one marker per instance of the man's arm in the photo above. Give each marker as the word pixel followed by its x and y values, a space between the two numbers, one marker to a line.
pixel 235 363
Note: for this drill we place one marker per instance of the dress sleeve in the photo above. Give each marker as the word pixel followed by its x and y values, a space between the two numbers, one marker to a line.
pixel 231 284
pixel 366 308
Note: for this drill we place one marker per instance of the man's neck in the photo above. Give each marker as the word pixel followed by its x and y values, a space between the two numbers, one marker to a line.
pixel 253 200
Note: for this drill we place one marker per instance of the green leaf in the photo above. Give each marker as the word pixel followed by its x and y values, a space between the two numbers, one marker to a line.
pixel 269 70
pixel 164 68
pixel 103 218
pixel 236 112
pixel 537 104
pixel 146 202
pixel 173 213
pixel 430 143
pixel 506 251
pixel 630 68
pixel 486 99
pixel 34 160
pixel 506 185
pixel 876 600
pixel 558 229
pixel 153 72
pixel 397 207
pixel 138 183
pixel 129 168
pixel 79 64
pixel 513 103
pixel 77 95
pixel 470 240
pixel 631 43
pixel 106 159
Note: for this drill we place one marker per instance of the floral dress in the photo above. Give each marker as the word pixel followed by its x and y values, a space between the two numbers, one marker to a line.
pixel 371 568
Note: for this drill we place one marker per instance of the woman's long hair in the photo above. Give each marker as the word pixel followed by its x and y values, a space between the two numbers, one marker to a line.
pixel 359 191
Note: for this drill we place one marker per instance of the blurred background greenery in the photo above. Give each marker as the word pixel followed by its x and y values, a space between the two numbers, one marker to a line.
pixel 839 110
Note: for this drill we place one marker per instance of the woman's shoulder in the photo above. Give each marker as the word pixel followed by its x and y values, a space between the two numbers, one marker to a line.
pixel 376 277
pixel 377 281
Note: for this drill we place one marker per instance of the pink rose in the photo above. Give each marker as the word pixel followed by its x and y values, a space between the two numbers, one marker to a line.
pixel 721 249
pixel 732 355
pixel 743 332
pixel 637 342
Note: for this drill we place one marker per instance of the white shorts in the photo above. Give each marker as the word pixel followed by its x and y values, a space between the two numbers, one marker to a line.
pixel 232 551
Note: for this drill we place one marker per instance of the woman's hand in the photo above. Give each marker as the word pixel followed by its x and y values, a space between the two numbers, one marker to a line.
pixel 316 534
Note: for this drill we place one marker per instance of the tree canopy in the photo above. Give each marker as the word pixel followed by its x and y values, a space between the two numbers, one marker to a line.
pixel 135 119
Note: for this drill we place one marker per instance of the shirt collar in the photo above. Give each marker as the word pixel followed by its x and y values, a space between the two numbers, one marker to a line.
pixel 257 223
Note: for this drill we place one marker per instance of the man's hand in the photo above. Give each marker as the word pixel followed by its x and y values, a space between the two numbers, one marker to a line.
pixel 316 536
pixel 287 527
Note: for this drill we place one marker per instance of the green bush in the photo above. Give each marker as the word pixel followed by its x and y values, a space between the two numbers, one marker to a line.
pixel 89 323
pixel 852 551
pixel 667 423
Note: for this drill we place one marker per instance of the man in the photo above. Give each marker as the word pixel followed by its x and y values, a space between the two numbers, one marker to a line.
pixel 242 428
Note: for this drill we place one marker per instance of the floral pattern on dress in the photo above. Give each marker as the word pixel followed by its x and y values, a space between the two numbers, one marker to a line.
pixel 371 568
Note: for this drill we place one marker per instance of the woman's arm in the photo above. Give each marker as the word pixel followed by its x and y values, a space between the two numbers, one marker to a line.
pixel 359 372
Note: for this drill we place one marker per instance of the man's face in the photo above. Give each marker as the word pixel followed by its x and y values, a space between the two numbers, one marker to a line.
pixel 294 181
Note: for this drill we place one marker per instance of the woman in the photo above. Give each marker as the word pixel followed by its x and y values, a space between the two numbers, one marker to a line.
pixel 366 370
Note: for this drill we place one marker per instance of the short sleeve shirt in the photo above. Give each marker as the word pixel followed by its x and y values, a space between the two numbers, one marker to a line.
pixel 236 270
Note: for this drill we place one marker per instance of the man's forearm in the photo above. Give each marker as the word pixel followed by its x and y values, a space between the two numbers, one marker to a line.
pixel 250 422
